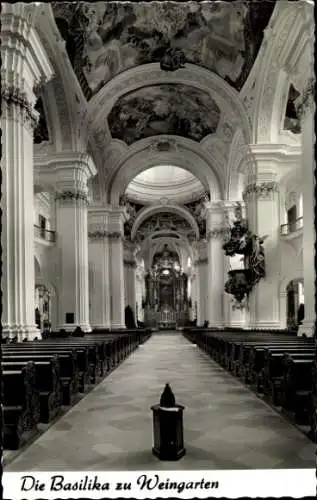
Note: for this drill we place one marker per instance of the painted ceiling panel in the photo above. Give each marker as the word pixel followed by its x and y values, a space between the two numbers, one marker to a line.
pixel 104 39
pixel 164 109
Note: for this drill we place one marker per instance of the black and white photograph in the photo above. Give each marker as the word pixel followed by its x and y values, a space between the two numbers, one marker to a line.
pixel 158 249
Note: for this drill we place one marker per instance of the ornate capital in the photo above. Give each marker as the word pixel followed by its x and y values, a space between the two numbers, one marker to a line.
pixel 305 101
pixel 14 97
pixel 260 191
pixel 72 197
pixel 97 235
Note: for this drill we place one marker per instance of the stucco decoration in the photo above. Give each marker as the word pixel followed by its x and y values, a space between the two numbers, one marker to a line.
pixel 104 39
pixel 173 109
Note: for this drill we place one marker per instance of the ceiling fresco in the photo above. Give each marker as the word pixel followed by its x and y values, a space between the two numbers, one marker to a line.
pixel 164 109
pixel 104 39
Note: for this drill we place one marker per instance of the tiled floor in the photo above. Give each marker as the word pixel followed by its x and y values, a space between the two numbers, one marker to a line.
pixel 225 425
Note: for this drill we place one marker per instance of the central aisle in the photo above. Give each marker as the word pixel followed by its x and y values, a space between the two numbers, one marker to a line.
pixel 225 425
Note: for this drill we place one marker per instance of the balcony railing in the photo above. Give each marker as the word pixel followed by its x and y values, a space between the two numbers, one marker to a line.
pixel 292 227
pixel 44 234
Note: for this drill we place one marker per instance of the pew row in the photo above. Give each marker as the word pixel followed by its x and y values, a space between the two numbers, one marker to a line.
pixel 41 377
pixel 274 364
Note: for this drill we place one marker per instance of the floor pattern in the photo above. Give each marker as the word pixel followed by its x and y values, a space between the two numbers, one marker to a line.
pixel 225 425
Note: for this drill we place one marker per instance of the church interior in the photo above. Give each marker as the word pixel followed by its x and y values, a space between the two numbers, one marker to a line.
pixel 158 227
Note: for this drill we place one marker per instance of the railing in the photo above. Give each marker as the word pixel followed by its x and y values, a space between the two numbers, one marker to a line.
pixel 292 227
pixel 44 234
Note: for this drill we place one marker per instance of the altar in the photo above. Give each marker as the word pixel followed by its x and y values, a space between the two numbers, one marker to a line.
pixel 167 320
pixel 166 304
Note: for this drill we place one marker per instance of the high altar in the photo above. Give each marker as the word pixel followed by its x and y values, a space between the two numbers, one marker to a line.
pixel 166 303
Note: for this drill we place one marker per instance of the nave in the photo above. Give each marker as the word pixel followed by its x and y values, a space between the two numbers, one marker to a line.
pixel 225 425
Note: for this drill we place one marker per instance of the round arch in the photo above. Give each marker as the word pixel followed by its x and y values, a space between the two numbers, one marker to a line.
pixel 227 98
pixel 182 153
pixel 147 212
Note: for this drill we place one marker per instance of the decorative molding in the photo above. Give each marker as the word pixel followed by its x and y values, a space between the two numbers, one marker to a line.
pixel 260 191
pixel 13 96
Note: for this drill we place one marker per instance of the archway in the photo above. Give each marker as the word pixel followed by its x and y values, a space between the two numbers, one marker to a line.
pixel 177 151
pixel 295 303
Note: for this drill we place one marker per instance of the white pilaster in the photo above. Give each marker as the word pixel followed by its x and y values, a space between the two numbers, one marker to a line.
pixel 215 286
pixel 24 66
pixel 307 111
pixel 263 215
pixel 116 236
pixel 72 173
pixel 98 251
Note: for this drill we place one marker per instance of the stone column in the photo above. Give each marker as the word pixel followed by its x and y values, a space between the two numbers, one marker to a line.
pixel 202 283
pixel 72 173
pixel 24 66
pixel 306 109
pixel 116 235
pixel 140 292
pixel 215 221
pixel 262 206
pixel 130 275
pixel 193 294
pixel 98 252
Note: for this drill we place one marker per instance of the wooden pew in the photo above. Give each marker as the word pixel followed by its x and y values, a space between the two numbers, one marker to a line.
pixel 47 385
pixel 273 368
pixel 76 358
pixel 297 388
pixel 258 359
pixel 21 407
pixel 68 368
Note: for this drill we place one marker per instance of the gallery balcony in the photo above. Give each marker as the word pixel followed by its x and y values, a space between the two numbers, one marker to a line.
pixel 292 229
pixel 44 236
